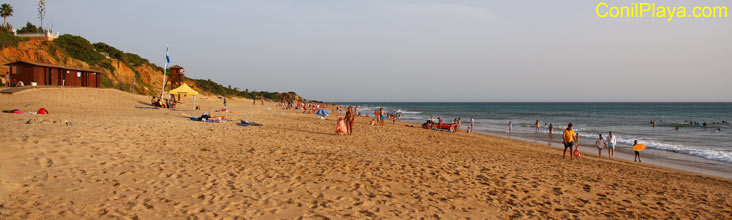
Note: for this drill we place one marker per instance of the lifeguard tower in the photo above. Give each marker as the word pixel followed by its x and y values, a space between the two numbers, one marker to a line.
pixel 176 75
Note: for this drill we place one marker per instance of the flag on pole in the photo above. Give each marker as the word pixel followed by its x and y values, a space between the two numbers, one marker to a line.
pixel 165 70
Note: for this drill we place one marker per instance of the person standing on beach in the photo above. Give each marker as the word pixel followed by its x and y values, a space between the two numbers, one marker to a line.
pixel 538 123
pixel 599 144
pixel 472 124
pixel 510 127
pixel 568 140
pixel 611 141
pixel 382 116
pixel 551 130
pixel 225 103
pixel 350 118
pixel 637 153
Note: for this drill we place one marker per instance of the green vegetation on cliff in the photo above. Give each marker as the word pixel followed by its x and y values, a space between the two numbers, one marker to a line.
pixel 8 40
pixel 215 88
pixel 30 28
pixel 128 58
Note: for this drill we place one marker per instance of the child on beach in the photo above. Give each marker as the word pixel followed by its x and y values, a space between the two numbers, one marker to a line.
pixel 551 130
pixel 568 140
pixel 510 127
pixel 599 144
pixel 341 127
pixel 637 153
pixel 611 145
pixel 472 123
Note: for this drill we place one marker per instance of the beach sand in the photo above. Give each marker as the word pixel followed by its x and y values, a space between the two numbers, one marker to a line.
pixel 118 161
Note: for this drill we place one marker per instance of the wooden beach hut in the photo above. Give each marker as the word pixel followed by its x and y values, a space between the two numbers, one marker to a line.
pixel 185 90
pixel 48 74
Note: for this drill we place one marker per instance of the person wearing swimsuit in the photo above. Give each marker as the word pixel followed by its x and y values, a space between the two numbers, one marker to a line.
pixel 350 118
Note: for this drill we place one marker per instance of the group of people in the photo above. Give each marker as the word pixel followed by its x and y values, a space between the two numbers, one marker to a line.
pixel 13 82
pixel 570 139
pixel 440 124
pixel 344 126
pixel 704 124
pixel 164 103
pixel 305 107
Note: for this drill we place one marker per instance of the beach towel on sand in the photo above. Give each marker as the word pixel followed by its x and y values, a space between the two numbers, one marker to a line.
pixel 12 111
pixel 147 107
pixel 207 120
pixel 248 123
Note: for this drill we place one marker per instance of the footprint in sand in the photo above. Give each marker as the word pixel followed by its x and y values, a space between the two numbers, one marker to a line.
pixel 587 188
pixel 557 191
pixel 46 162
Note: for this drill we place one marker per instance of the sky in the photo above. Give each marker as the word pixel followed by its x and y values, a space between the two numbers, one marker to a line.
pixel 416 51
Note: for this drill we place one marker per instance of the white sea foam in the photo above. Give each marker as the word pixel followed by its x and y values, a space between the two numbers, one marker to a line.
pixel 703 152
pixel 407 112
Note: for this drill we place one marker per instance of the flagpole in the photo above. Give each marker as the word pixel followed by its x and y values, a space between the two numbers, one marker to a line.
pixel 165 71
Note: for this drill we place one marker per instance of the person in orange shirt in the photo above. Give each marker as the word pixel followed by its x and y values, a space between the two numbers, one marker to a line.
pixel 568 137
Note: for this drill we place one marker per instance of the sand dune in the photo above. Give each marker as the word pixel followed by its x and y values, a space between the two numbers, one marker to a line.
pixel 117 161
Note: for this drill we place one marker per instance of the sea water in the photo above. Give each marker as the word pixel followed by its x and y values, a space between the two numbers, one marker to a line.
pixel 629 122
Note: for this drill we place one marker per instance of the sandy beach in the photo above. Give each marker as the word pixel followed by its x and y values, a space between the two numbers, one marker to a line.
pixel 113 160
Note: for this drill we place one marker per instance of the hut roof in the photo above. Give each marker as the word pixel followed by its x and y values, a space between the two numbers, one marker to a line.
pixel 52 66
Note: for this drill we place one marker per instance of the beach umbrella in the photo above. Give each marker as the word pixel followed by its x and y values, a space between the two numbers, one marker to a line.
pixel 323 113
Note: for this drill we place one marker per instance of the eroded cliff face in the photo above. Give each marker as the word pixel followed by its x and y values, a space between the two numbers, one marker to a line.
pixel 147 82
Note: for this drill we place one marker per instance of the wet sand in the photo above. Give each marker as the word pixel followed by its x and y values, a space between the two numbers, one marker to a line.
pixel 118 161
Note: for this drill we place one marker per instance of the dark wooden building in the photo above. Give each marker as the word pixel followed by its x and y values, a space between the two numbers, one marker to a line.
pixel 176 75
pixel 48 74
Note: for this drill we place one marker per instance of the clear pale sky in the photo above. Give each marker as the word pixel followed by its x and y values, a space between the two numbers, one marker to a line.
pixel 373 50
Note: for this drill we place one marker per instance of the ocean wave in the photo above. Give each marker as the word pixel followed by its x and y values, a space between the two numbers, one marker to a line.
pixel 407 112
pixel 709 154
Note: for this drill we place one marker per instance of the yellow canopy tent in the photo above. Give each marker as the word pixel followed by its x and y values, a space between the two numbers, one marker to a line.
pixel 185 90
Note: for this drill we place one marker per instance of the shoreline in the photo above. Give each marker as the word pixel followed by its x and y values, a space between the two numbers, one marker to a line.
pixel 656 157
pixel 621 153
pixel 627 156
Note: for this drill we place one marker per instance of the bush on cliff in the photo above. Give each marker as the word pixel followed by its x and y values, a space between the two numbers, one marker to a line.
pixel 79 48
pixel 8 40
